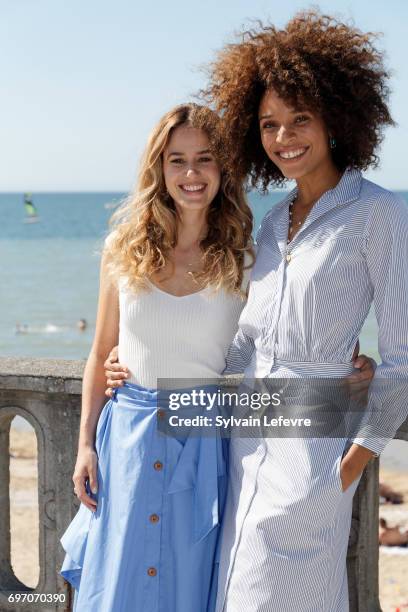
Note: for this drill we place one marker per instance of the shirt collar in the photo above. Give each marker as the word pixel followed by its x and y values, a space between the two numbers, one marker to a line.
pixel 346 190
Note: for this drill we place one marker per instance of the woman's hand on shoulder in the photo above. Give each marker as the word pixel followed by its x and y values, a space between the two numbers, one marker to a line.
pixel 86 471
pixel 115 372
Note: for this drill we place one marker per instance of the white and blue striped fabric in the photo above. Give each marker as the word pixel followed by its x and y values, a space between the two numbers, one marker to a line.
pixel 351 250
pixel 287 520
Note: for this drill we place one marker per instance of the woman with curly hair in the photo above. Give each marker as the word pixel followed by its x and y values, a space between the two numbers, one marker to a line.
pixel 309 103
pixel 172 275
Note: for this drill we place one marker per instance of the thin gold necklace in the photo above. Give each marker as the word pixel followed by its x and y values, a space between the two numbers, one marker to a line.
pixel 294 226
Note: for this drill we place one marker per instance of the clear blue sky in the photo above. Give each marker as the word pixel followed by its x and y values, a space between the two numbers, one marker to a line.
pixel 83 81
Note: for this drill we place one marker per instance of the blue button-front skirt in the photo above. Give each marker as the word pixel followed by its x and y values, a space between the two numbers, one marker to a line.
pixel 151 544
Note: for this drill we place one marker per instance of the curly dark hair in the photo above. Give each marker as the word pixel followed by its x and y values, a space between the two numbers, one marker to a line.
pixel 317 63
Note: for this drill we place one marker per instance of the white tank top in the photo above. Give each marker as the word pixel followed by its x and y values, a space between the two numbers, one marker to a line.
pixel 162 336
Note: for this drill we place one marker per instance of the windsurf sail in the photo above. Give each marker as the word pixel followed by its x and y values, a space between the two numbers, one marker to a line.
pixel 30 209
pixel 31 214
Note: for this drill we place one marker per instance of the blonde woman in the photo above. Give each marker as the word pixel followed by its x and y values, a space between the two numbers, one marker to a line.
pixel 170 293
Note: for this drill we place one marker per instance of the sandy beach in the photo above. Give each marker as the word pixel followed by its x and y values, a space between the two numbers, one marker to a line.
pixel 24 506
pixel 24 523
pixel 394 561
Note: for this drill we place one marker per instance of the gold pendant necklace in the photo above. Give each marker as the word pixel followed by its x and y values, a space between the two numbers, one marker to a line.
pixel 296 226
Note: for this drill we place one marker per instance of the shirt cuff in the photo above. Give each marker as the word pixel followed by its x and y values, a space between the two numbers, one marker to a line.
pixel 375 445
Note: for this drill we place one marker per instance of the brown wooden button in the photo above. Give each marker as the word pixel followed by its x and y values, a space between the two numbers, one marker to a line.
pixel 160 414
pixel 158 465
pixel 154 518
pixel 152 571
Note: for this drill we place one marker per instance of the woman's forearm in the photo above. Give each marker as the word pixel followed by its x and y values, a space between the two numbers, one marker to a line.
pixel 354 463
pixel 93 398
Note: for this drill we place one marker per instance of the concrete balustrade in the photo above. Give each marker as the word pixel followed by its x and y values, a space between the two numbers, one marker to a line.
pixel 47 394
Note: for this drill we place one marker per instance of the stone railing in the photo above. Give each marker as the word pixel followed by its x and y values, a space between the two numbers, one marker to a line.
pixel 47 394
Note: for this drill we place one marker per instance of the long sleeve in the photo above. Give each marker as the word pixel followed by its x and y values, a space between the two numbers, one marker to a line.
pixel 242 346
pixel 239 353
pixel 387 262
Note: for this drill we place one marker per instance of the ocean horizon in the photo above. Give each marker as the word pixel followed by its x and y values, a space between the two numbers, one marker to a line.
pixel 51 278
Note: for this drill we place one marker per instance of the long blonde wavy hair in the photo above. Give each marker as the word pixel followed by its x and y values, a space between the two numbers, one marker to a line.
pixel 144 228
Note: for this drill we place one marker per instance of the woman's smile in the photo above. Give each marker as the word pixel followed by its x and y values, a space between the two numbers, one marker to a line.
pixel 195 189
pixel 293 154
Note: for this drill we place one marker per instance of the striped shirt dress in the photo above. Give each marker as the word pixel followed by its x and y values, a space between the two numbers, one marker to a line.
pixel 287 519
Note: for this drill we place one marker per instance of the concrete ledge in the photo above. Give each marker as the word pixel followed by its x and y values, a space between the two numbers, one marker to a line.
pixel 41 375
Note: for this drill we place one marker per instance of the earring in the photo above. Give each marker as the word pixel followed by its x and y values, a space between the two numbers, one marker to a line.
pixel 332 142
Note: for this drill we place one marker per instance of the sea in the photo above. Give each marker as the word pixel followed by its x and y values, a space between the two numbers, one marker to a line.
pixel 50 272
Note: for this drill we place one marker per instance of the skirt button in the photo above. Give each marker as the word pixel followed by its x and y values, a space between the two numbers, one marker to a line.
pixel 152 571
